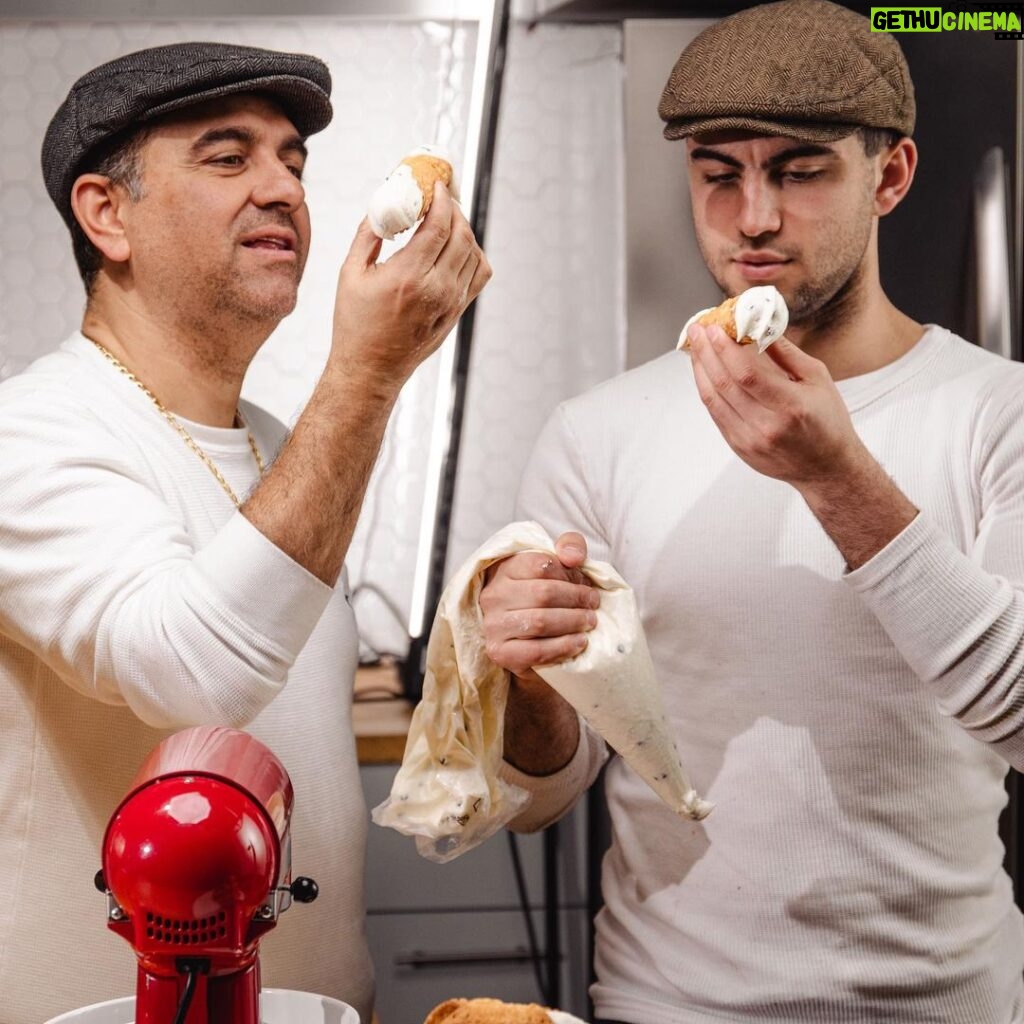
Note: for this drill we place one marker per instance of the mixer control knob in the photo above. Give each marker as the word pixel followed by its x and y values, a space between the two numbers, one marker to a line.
pixel 100 882
pixel 304 890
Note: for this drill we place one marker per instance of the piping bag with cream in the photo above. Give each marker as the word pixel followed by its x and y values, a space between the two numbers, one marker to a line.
pixel 448 792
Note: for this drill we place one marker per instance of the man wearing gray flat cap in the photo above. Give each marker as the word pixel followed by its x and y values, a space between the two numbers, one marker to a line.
pixel 825 541
pixel 169 555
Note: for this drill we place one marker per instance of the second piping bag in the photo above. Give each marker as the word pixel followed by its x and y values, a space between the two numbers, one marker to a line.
pixel 448 793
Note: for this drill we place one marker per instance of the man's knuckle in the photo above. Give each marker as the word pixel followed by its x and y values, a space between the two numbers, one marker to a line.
pixel 537 620
pixel 534 653
pixel 512 623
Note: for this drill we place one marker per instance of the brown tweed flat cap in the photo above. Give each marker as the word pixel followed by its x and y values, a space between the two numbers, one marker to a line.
pixel 809 69
pixel 138 87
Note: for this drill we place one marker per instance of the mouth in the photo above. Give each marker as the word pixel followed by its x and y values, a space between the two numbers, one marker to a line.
pixel 271 241
pixel 760 266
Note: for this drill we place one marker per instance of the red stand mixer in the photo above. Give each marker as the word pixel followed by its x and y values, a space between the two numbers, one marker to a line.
pixel 196 870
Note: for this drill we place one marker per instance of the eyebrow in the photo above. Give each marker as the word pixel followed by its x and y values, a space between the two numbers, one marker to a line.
pixel 229 133
pixel 784 156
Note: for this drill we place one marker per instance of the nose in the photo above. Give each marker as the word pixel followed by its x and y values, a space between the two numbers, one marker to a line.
pixel 759 208
pixel 276 185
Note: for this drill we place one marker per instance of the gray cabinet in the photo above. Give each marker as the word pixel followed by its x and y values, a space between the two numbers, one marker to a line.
pixel 422 959
pixel 438 931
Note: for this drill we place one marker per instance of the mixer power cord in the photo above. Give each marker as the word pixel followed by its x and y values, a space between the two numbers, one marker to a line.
pixel 192 968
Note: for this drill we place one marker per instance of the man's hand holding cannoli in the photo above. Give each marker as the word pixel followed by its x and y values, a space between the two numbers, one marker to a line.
pixel 391 316
pixel 784 416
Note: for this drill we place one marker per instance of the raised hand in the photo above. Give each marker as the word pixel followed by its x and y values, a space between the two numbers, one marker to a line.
pixel 389 317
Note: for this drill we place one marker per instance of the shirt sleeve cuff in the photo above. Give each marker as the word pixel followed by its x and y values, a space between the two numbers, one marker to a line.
pixel 915 535
pixel 554 795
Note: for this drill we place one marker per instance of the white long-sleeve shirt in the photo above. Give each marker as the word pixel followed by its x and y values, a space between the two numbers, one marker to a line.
pixel 852 728
pixel 135 600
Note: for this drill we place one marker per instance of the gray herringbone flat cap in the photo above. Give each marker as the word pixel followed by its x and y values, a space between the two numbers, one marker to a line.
pixel 804 68
pixel 138 87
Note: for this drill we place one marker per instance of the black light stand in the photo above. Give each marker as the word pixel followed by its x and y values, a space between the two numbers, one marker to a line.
pixel 414 666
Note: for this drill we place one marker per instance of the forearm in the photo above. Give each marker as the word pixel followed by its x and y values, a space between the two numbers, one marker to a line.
pixel 958 626
pixel 541 728
pixel 308 503
pixel 861 510
pixel 388 317
pixel 553 796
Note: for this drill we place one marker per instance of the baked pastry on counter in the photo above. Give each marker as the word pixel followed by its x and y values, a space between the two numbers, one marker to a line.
pixel 494 1011
pixel 405 195
pixel 757 316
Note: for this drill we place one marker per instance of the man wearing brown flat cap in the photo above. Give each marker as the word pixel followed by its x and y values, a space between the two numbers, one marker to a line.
pixel 825 540
pixel 168 555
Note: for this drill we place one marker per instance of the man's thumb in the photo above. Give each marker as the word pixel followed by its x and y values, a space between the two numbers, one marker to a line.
pixel 571 550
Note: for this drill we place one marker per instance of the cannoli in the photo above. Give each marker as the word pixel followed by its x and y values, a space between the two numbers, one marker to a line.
pixel 494 1011
pixel 757 316
pixel 405 195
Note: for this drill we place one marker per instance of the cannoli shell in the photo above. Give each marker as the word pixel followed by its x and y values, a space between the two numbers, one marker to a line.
pixel 724 316
pixel 427 169
pixel 487 1011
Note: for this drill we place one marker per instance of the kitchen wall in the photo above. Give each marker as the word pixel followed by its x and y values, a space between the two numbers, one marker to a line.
pixel 666 280
pixel 550 325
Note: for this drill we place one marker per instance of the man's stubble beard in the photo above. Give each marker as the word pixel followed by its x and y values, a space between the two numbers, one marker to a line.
pixel 830 304
pixel 228 323
pixel 255 306
pixel 240 299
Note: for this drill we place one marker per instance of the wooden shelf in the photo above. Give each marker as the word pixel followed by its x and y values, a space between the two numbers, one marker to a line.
pixel 381 722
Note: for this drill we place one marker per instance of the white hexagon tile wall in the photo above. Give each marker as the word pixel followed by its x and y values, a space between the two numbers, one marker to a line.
pixel 550 325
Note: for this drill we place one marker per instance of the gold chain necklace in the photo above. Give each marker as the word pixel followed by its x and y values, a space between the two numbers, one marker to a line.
pixel 185 435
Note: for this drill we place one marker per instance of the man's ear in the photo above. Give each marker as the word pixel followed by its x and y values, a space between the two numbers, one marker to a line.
pixel 96 202
pixel 898 164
